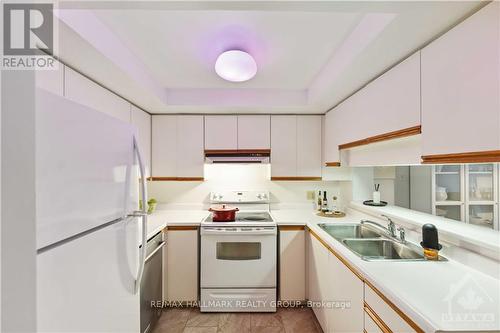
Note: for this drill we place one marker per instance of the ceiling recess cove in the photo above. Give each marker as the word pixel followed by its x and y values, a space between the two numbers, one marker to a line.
pixel 236 66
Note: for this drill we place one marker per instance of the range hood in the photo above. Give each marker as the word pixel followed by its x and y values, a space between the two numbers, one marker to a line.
pixel 243 156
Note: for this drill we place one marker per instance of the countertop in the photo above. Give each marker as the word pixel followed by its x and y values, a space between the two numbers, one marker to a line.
pixel 420 289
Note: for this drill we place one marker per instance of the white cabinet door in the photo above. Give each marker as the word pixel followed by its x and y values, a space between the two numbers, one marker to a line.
pixel 51 80
pixel 142 120
pixel 254 132
pixel 460 87
pixel 344 286
pixel 292 264
pixel 190 155
pixel 164 146
pixel 284 146
pixel 84 91
pixel 309 146
pixel 182 265
pixel 221 132
pixel 389 103
pixel 177 146
pixel 317 279
pixel 331 137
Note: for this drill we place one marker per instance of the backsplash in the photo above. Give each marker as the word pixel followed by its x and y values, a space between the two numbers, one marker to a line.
pixel 245 177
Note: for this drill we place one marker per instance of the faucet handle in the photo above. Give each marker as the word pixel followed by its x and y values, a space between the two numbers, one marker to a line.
pixel 401 233
pixel 387 217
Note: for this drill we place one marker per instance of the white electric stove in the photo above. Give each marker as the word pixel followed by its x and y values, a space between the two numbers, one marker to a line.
pixel 239 258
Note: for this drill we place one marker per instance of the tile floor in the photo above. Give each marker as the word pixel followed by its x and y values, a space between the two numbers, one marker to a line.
pixel 191 320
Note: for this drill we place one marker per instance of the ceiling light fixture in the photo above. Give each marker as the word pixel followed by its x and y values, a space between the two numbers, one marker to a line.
pixel 236 66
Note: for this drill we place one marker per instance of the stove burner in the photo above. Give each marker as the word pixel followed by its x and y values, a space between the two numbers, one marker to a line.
pixel 255 218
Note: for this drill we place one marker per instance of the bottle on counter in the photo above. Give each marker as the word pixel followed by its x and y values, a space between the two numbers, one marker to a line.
pixel 335 207
pixel 324 207
pixel 320 203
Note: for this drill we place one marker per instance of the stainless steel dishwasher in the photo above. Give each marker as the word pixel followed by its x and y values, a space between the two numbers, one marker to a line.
pixel 152 282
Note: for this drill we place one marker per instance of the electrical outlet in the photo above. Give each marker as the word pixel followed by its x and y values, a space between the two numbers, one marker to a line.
pixel 310 195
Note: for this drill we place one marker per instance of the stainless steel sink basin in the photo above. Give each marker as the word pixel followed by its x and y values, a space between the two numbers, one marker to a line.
pixel 344 231
pixel 383 249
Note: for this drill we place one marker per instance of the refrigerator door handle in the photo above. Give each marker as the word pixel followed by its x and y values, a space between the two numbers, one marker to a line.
pixel 144 218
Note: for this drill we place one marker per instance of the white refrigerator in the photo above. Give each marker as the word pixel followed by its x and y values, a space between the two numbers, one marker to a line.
pixel 89 175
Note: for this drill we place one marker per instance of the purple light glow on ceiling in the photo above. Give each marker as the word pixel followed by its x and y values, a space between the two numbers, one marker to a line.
pixel 236 66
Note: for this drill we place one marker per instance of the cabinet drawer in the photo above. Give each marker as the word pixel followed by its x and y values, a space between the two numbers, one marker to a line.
pixel 386 313
pixel 370 325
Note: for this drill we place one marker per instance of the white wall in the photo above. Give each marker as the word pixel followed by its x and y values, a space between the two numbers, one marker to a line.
pixel 362 183
pixel 244 177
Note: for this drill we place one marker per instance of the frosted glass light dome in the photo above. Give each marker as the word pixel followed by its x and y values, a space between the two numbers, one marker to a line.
pixel 236 66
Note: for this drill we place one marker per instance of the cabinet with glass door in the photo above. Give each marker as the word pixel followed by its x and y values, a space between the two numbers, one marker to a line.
pixel 467 193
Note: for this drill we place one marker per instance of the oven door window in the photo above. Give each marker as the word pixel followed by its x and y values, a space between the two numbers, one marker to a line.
pixel 238 250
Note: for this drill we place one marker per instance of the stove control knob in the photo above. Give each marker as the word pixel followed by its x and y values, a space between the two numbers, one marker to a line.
pixel 259 196
pixel 264 195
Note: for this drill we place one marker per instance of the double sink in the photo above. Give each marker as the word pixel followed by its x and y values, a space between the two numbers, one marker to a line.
pixel 372 243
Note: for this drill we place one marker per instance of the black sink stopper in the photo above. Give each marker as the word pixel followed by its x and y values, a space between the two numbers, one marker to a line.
pixel 430 237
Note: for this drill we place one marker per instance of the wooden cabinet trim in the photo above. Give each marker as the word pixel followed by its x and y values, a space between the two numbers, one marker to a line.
pixel 469 157
pixel 177 179
pixel 291 227
pixel 376 319
pixel 369 284
pixel 415 130
pixel 279 178
pixel 332 164
pixel 182 227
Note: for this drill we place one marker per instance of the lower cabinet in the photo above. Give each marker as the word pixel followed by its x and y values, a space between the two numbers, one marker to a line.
pixel 345 292
pixel 383 316
pixel 292 275
pixel 317 279
pixel 181 263
pixel 334 292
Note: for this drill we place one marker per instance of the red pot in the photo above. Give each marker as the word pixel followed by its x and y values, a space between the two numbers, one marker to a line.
pixel 223 213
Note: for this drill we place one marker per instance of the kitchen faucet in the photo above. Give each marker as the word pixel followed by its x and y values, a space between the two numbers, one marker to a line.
pixel 391 228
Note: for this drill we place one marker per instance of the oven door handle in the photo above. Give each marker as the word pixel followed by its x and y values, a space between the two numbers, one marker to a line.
pixel 238 232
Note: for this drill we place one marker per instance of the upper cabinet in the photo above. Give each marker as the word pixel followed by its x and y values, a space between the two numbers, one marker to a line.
pixel 84 91
pixel 142 121
pixel 284 146
pixel 237 132
pixel 254 132
pixel 177 147
pixel 221 132
pixel 387 108
pixel 296 147
pixel 460 88
pixel 309 146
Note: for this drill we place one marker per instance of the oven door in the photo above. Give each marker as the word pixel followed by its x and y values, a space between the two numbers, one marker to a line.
pixel 238 257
